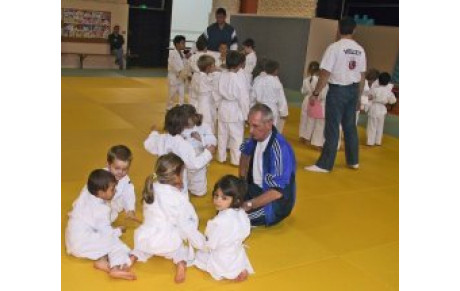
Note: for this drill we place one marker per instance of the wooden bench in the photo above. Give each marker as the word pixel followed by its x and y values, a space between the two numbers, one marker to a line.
pixel 90 60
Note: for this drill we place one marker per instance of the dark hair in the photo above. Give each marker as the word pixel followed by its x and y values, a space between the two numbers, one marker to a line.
pixel 167 168
pixel 178 38
pixel 205 61
pixel 233 59
pixel 347 25
pixel 221 11
pixel 271 66
pixel 100 180
pixel 372 74
pixel 260 66
pixel 249 42
pixel 384 78
pixel 233 187
pixel 201 43
pixel 313 67
pixel 190 112
pixel 119 152
pixel 175 121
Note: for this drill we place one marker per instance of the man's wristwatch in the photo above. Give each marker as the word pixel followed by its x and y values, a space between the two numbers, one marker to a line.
pixel 249 204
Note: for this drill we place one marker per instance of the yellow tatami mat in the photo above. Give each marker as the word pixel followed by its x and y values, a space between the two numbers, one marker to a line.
pixel 342 234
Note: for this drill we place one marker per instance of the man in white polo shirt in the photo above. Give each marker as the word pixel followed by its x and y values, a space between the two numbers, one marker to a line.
pixel 343 66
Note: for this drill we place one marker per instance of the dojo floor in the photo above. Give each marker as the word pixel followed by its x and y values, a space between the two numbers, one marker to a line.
pixel 342 234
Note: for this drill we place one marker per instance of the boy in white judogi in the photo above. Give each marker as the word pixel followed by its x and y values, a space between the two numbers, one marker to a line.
pixel 269 91
pixel 201 44
pixel 170 227
pixel 161 144
pixel 205 87
pixel 177 73
pixel 223 254
pixel 251 58
pixel 89 233
pixel 379 96
pixel 233 108
pixel 199 135
pixel 119 159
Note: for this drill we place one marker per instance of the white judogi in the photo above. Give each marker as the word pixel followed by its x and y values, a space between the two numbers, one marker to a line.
pixel 124 198
pixel 161 144
pixel 269 91
pixel 233 108
pixel 197 181
pixel 89 233
pixel 251 62
pixel 206 105
pixel 176 71
pixel 312 129
pixel 169 223
pixel 382 95
pixel 194 84
pixel 224 256
pixel 252 96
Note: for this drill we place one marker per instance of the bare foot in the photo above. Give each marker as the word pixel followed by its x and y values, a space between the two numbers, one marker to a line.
pixel 242 276
pixel 122 274
pixel 102 264
pixel 180 272
pixel 133 259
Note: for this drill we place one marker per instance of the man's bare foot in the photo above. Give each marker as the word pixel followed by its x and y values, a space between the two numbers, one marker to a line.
pixel 118 273
pixel 242 276
pixel 102 264
pixel 180 272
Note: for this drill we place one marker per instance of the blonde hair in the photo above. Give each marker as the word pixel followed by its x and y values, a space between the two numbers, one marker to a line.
pixel 167 168
pixel 204 62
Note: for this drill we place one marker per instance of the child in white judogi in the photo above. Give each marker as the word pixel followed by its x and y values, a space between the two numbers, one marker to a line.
pixel 119 159
pixel 89 233
pixel 371 80
pixel 223 254
pixel 269 91
pixel 172 141
pixel 201 46
pixel 170 227
pixel 199 135
pixel 258 74
pixel 380 96
pixel 232 102
pixel 177 73
pixel 205 88
pixel 307 90
pixel 251 58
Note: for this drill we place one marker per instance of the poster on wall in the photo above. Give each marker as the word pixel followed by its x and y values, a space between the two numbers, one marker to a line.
pixel 79 25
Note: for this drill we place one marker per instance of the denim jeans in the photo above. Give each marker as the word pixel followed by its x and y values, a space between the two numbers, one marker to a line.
pixel 118 53
pixel 341 104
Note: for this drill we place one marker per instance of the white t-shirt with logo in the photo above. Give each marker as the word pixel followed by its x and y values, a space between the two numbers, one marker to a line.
pixel 257 166
pixel 345 60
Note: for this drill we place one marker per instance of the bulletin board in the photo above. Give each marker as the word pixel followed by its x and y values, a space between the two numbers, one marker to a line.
pixel 79 25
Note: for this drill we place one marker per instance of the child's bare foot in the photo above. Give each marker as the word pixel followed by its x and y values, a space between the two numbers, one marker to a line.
pixel 180 272
pixel 120 273
pixel 102 264
pixel 133 259
pixel 242 276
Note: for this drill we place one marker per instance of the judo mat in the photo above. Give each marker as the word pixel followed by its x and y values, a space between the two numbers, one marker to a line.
pixel 342 235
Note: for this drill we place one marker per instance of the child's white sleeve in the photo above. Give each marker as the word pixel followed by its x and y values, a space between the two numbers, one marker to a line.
pixel 103 225
pixel 304 90
pixel 282 102
pixel 192 161
pixel 243 101
pixel 391 98
pixel 155 143
pixel 129 198
pixel 208 137
pixel 175 62
pixel 215 232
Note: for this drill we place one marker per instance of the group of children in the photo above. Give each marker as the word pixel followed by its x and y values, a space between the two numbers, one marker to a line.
pixel 377 93
pixel 223 86
pixel 170 225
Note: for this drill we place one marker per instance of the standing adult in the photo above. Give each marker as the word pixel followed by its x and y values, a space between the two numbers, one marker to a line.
pixel 268 164
pixel 221 32
pixel 343 66
pixel 116 42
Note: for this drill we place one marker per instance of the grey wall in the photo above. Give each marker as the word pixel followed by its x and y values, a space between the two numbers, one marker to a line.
pixel 279 38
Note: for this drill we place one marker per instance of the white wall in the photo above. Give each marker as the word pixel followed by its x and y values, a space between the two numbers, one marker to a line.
pixel 190 18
